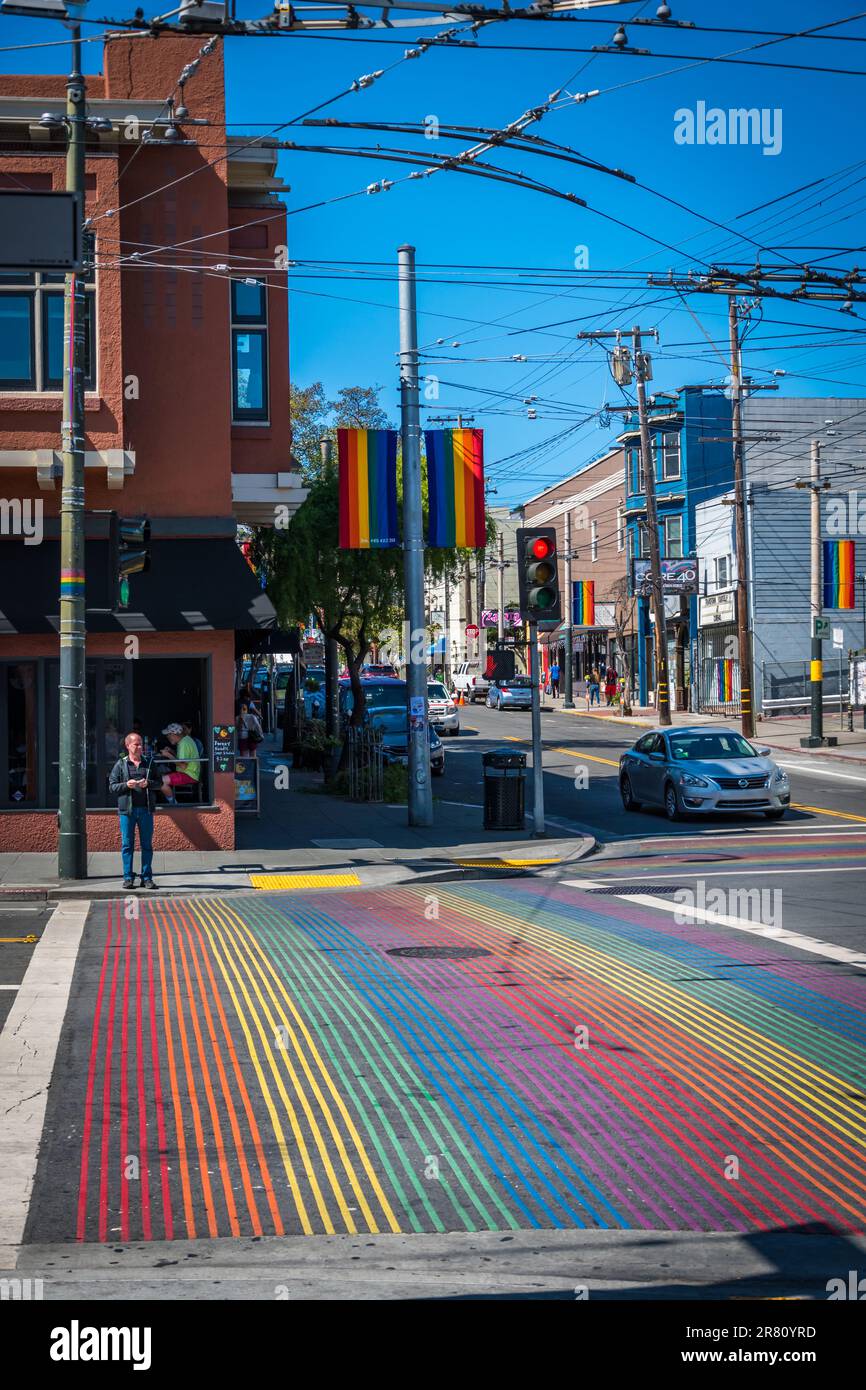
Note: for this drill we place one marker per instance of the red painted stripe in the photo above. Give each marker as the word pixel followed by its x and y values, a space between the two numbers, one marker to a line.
pixel 168 1221
pixel 106 1096
pixel 88 1097
pixel 124 1091
pixel 144 1173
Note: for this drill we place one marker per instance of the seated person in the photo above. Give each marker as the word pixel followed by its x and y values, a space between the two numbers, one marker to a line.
pixel 187 767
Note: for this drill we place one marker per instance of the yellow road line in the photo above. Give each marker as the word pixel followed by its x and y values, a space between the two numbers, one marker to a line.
pixel 274 882
pixel 822 811
pixel 25 940
pixel 591 757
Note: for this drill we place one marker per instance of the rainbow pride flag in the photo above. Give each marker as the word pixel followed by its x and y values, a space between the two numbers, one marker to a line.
pixel 455 488
pixel 838 574
pixel 368 488
pixel 583 602
pixel 725 679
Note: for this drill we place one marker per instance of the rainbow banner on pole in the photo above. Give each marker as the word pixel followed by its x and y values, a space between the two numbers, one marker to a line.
pixel 725 679
pixel 368 488
pixel 838 574
pixel 455 488
pixel 583 603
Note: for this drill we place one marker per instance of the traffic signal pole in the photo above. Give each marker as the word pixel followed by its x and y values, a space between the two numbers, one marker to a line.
pixel 568 689
pixel 537 763
pixel 72 835
pixel 420 787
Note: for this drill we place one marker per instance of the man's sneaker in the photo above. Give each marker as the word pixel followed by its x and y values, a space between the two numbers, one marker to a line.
pixel 129 883
pixel 148 883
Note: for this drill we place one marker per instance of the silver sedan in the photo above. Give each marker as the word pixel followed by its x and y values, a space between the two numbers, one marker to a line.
pixel 693 771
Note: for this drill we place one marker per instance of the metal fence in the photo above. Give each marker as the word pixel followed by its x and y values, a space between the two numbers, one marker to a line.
pixel 720 685
pixel 786 685
pixel 365 764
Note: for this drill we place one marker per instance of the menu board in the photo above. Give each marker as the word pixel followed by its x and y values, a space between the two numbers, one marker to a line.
pixel 223 747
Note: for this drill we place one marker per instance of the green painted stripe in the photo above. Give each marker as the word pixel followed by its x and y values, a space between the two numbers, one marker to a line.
pixel 385 1047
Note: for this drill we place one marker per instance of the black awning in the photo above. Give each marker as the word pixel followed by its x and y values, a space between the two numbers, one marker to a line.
pixel 192 586
pixel 267 640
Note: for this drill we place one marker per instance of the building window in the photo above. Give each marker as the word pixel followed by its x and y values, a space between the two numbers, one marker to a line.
pixel 593 541
pixel 667 456
pixel 620 528
pixel 31 329
pixel 18 756
pixel 673 537
pixel 643 540
pixel 641 481
pixel 249 350
pixel 723 571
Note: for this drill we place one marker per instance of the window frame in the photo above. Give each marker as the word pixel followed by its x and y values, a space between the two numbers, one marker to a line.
pixel 666 522
pixel 593 541
pixel 250 325
pixel 726 561
pixel 620 529
pixel 39 286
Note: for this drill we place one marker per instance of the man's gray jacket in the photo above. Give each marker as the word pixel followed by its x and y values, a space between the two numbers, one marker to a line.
pixel 120 775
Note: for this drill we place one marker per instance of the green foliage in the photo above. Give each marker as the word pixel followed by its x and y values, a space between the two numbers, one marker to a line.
pixel 395 783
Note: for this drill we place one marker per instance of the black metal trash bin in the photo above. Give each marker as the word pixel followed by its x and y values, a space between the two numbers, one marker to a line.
pixel 504 789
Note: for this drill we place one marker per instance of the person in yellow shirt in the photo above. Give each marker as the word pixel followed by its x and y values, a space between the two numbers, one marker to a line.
pixel 187 769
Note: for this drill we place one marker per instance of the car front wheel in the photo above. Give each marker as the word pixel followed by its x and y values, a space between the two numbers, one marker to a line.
pixel 672 803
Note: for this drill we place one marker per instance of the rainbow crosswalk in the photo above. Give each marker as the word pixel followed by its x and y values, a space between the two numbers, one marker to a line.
pixel 494 1056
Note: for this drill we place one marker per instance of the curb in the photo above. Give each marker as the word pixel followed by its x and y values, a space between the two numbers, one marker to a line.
pixel 441 871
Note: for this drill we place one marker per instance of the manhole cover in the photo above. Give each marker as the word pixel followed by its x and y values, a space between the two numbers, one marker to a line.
pixel 439 952
pixel 623 889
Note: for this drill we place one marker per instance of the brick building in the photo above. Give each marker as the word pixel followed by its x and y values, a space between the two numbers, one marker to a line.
pixel 186 422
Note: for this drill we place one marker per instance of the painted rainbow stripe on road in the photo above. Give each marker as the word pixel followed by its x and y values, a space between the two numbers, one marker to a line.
pixel 299 1065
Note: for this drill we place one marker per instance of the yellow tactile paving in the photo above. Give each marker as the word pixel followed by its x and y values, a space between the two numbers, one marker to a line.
pixel 281 882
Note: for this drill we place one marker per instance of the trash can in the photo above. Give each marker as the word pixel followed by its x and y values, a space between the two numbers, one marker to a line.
pixel 504 789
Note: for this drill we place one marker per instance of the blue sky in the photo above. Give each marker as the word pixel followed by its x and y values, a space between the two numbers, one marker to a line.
pixel 343 305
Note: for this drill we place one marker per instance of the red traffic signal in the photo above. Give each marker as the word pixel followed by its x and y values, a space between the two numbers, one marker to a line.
pixel 537 574
pixel 540 547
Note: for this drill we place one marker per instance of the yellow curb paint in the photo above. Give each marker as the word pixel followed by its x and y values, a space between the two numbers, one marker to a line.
pixel 276 882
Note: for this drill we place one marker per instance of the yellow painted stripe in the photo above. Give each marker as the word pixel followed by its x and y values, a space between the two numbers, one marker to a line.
pixel 268 1044
pixel 822 811
pixel 330 1085
pixel 25 940
pixel 497 863
pixel 591 757
pixel 273 882
pixel 816 671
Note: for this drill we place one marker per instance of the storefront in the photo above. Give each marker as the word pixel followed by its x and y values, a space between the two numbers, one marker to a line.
pixel 719 690
pixel 168 658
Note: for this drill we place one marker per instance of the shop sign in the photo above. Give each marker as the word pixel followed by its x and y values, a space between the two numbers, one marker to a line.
pixel 715 609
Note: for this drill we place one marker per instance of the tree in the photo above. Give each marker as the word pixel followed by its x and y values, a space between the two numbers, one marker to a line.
pixel 623 625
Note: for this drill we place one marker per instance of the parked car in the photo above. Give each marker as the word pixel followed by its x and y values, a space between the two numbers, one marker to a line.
pixel 314 692
pixel 375 671
pixel 442 710
pixel 393 722
pixel 694 771
pixel 377 693
pixel 511 694
pixel 469 683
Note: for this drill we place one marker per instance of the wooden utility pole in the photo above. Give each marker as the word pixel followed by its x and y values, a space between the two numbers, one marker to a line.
pixel 744 641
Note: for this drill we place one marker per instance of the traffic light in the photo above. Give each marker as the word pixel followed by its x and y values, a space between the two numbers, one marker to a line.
pixel 128 553
pixel 537 574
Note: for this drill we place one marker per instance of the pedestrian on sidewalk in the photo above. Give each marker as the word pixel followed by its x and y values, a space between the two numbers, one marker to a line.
pixel 135 784
pixel 609 685
pixel 250 733
pixel 595 686
pixel 554 679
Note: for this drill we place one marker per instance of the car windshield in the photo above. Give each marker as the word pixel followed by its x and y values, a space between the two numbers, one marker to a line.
pixel 436 692
pixel 378 696
pixel 390 719
pixel 710 747
pixel 519 683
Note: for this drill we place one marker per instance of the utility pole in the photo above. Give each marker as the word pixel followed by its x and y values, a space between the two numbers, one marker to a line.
pixel 72 803
pixel 568 702
pixel 623 375
pixel 420 788
pixel 332 669
pixel 537 764
pixel 446 663
pixel 744 640
pixel 816 737
pixel 500 589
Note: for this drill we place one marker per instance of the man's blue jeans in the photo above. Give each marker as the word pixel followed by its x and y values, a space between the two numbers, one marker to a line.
pixel 141 817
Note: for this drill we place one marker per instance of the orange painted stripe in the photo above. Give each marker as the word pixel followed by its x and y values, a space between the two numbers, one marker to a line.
pixel 226 1091
pixel 186 1189
pixel 207 1191
pixel 228 1191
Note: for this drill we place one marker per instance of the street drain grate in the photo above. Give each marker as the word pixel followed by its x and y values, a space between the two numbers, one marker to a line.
pixel 439 952
pixel 625 889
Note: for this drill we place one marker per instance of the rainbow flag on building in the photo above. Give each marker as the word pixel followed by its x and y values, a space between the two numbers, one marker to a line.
pixel 838 574
pixel 583 603
pixel 368 488
pixel 725 679
pixel 455 488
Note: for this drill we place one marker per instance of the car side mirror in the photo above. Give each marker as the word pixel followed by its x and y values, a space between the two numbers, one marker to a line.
pixel 763 752
pixel 657 757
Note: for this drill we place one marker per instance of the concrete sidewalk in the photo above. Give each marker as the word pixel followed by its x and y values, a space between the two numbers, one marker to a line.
pixel 781 732
pixel 314 838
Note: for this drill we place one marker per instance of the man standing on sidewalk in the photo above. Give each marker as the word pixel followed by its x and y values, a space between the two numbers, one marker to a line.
pixel 554 679
pixel 135 785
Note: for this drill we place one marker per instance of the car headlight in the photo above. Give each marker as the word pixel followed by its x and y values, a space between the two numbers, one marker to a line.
pixel 687 779
pixel 781 777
